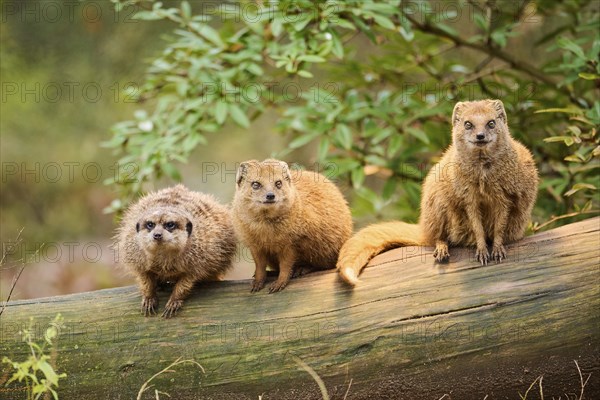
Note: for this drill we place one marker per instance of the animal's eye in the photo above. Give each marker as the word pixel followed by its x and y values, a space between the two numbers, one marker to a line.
pixel 170 226
pixel 150 225
pixel 256 185
pixel 278 184
pixel 468 125
pixel 491 124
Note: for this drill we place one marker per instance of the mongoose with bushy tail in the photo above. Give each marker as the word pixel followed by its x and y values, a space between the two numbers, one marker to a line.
pixel 481 192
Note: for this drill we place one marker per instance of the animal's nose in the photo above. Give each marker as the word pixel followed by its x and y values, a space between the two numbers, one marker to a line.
pixel 480 136
pixel 157 236
pixel 270 196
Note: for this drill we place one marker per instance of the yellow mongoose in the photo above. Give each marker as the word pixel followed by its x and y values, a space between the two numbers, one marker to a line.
pixel 482 191
pixel 293 221
pixel 175 235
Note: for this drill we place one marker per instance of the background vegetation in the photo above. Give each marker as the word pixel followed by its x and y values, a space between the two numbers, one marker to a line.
pixel 377 82
pixel 359 89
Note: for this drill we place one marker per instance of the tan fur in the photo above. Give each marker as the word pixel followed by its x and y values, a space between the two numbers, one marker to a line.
pixel 477 194
pixel 304 226
pixel 201 246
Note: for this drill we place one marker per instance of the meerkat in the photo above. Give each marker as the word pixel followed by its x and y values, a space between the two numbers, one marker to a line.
pixel 292 221
pixel 481 192
pixel 175 235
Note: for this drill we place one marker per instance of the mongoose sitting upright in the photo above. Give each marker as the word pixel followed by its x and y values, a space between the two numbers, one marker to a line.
pixel 482 191
pixel 175 235
pixel 293 221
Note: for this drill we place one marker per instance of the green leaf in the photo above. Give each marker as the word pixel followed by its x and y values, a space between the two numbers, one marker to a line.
pixel 220 111
pixel 448 29
pixel 499 37
pixel 338 47
pixel 238 115
pixel 588 76
pixel 481 22
pixel 323 148
pixel 311 58
pixel 343 23
pixel 568 140
pixel 574 158
pixel 255 69
pixel 343 136
pixel 389 188
pixel 186 10
pixel 357 175
pixel 364 28
pixel 207 32
pixel 580 186
pixel 303 140
pixel 171 171
pixel 305 74
pixel 48 372
pixel 147 16
pixel 394 145
pixel 191 141
pixel 384 22
pixel 568 44
pixel 301 23
pixel 276 26
pixel 418 133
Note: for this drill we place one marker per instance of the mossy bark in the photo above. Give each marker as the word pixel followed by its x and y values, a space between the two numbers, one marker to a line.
pixel 410 330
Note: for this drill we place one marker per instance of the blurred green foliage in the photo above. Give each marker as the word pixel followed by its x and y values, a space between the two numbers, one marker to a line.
pixel 37 373
pixel 374 83
pixel 51 126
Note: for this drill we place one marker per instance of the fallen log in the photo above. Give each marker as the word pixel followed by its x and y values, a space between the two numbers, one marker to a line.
pixel 410 330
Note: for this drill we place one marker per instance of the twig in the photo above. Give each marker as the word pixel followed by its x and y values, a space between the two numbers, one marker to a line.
pixel 524 397
pixel 348 390
pixel 520 65
pixel 581 379
pixel 167 369
pixel 573 214
pixel 314 375
pixel 12 287
pixel 18 240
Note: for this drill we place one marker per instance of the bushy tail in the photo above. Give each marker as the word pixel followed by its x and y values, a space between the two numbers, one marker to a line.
pixel 372 240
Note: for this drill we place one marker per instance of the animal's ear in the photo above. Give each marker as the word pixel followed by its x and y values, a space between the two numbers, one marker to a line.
pixel 281 166
pixel 188 228
pixel 457 112
pixel 499 107
pixel 285 170
pixel 242 171
pixel 137 227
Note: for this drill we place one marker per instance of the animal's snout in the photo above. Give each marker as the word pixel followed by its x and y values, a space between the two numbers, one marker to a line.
pixel 480 136
pixel 157 236
pixel 270 196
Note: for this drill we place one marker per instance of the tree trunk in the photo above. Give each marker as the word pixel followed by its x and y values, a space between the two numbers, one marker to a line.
pixel 410 330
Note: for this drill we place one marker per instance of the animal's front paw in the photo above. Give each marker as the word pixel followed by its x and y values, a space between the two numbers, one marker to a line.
pixel 171 308
pixel 257 285
pixel 278 285
pixel 441 253
pixel 482 255
pixel 498 253
pixel 149 306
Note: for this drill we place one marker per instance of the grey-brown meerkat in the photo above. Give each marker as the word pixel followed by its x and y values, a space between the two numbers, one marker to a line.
pixel 175 235
pixel 481 192
pixel 293 221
